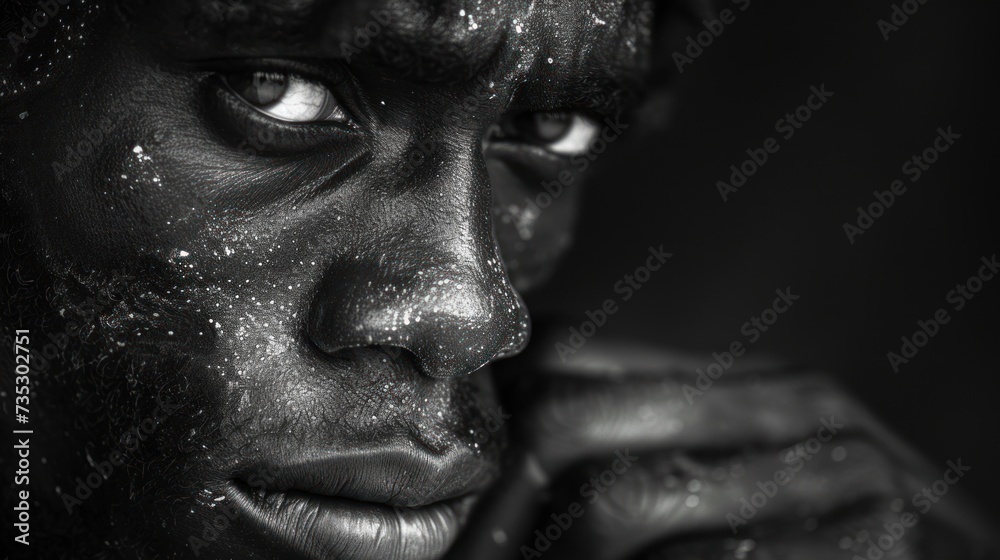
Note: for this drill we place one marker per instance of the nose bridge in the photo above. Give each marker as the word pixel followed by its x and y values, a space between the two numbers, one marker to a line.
pixel 431 281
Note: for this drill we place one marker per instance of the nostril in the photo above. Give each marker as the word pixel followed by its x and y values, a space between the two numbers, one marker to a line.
pixel 400 358
pixel 395 352
pixel 395 355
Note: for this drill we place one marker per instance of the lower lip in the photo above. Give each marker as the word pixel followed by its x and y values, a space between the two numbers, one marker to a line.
pixel 323 526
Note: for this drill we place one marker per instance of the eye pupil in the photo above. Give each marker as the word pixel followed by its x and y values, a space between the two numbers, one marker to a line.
pixel 260 88
pixel 549 127
pixel 543 127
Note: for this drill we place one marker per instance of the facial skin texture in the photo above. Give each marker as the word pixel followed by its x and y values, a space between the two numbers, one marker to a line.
pixel 285 290
pixel 259 334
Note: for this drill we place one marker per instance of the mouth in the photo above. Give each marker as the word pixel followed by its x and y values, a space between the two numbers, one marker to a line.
pixel 400 502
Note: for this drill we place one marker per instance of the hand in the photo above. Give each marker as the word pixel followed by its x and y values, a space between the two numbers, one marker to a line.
pixel 621 453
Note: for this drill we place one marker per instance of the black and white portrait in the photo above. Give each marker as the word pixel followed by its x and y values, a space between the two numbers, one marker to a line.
pixel 498 280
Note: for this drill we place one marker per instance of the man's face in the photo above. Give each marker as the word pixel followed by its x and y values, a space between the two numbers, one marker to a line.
pixel 285 233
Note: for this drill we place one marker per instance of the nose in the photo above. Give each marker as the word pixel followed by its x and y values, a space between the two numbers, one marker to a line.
pixel 426 277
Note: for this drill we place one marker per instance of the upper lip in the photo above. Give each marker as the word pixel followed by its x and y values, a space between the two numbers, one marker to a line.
pixel 401 474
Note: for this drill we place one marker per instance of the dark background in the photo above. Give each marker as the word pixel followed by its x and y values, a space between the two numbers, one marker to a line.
pixel 784 227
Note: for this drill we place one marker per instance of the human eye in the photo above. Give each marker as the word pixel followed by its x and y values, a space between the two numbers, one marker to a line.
pixel 564 133
pixel 287 97
pixel 274 107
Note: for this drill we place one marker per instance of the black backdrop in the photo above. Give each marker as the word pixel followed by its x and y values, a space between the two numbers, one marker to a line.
pixel 784 227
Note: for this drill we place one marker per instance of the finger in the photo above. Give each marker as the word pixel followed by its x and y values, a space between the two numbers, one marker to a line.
pixel 848 537
pixel 506 513
pixel 626 508
pixel 567 419
pixel 636 396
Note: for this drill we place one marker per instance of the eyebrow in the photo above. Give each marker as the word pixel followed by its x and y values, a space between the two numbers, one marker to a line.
pixel 605 95
pixel 422 44
pixel 395 33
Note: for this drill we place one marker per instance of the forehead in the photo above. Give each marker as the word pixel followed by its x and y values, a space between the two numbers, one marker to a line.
pixel 434 40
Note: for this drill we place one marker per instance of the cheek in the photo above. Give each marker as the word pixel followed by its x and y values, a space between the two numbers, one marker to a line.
pixel 533 215
pixel 97 193
pixel 93 159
